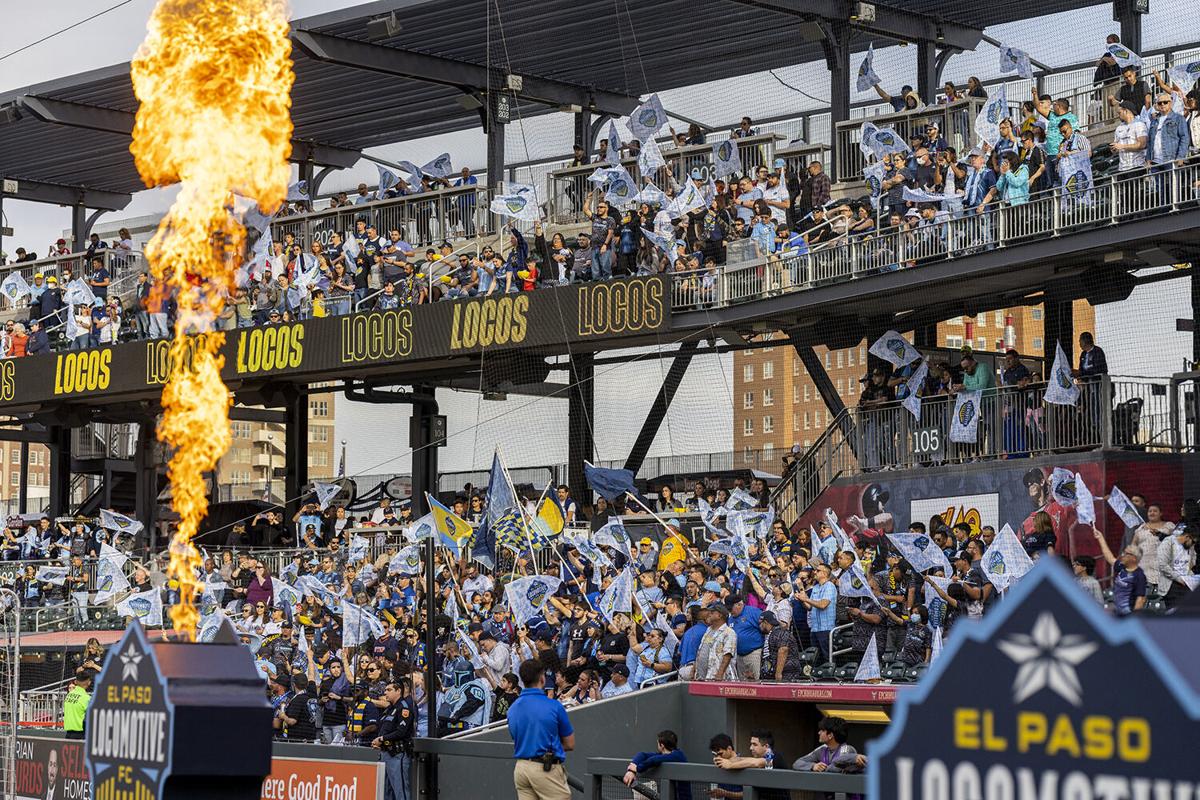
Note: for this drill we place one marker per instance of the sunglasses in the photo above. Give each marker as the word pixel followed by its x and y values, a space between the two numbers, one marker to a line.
pixel 1162 103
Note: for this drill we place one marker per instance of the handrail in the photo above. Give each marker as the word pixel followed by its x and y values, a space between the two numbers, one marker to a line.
pixel 674 772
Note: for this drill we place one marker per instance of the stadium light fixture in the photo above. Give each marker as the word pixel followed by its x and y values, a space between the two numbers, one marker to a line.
pixel 384 27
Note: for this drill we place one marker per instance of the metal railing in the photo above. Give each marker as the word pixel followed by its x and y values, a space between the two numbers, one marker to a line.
pixel 105 440
pixel 422 219
pixel 42 708
pixel 956 124
pixel 607 773
pixel 1049 214
pixel 123 267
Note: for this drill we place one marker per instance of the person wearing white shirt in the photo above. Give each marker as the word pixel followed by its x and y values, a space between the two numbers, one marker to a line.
pixel 1129 139
pixel 776 195
pixel 1176 560
pixel 618 683
pixel 476 583
pixel 385 503
pixel 495 656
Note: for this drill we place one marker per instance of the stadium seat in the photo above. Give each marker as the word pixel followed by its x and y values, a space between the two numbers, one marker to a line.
pixel 846 671
pixel 915 673
pixel 893 671
pixel 824 672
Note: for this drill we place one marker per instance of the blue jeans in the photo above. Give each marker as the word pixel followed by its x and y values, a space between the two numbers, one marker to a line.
pixel 396 771
pixel 603 262
pixel 820 640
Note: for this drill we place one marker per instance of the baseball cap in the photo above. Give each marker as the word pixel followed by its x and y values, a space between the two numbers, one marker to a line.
pixel 646 540
pixel 712 586
pixel 780 163
pixel 697 174
pixel 673 522
pixel 621 669
pixel 769 618
pixel 474 626
pixel 38 275
pixel 486 636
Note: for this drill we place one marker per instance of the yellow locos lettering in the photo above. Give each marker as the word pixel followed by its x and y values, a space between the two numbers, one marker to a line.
pixel 8 380
pixel 82 371
pixel 620 307
pixel 482 323
pixel 377 335
pixel 271 348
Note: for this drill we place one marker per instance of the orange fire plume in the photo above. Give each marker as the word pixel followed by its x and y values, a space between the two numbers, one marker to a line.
pixel 214 79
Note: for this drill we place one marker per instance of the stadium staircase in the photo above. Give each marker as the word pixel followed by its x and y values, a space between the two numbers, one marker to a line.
pixel 829 457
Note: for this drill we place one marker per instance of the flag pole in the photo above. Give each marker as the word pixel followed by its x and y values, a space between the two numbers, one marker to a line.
pixel 516 499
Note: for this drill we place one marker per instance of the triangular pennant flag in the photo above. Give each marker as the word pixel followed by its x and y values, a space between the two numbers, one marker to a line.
pixel 868 667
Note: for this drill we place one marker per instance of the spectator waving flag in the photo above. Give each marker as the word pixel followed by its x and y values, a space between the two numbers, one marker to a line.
pixel 423 529
pixel 325 492
pixel 1062 486
pixel 987 121
pixel 79 293
pixel 1124 56
pixel 588 549
pixel 15 287
pixel 614 145
pixel 358 549
pixel 1124 508
pixel 1185 75
pixel 146 607
pixel 1060 387
pixel 119 523
pixel 253 217
pixel 284 594
pixel 387 179
pixel 853 583
pixel 453 531
pixel 414 173
pixel 652 195
pixel 964 426
pixel 520 202
pixel 1014 60
pixel 407 561
pixel 483 544
pixel 1075 173
pixel 919 550
pixel 658 241
pixel 689 198
pixel 868 667
pixel 54 575
pixel 612 534
pixel 874 174
pixel 880 142
pixel 1085 503
pixel 618 597
pixel 894 349
pixel 609 483
pixel 358 624
pixel 1005 561
pixel 931 594
pixel 726 158
pixel 440 167
pixel 526 596
pixel 110 580
pixel 647 119
pixel 916 381
pixel 920 195
pixel 650 158
pixel 866 70
pixel 298 192
pixel 621 188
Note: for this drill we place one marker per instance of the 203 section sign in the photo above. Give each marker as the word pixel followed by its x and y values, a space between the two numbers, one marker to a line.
pixel 129 724
pixel 1047 698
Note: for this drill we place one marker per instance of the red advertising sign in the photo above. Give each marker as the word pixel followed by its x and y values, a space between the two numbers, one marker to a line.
pixel 309 779
pixel 50 769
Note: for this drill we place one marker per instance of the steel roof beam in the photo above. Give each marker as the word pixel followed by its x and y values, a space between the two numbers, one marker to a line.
pixel 464 75
pixel 63 195
pixel 890 22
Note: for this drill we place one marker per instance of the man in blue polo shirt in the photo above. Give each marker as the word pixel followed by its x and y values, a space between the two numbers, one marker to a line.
pixel 541 735
pixel 744 620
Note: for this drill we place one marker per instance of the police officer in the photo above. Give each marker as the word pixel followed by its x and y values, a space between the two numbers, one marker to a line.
pixel 541 735
pixel 396 728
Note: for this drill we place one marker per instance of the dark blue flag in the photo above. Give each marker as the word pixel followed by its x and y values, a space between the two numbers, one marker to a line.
pixel 609 483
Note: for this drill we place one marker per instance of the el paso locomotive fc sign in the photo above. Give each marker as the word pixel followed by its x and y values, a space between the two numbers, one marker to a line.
pixel 548 318
pixel 1048 698
pixel 129 723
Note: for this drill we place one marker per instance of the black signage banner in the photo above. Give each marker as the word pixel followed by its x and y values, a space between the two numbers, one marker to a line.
pixel 50 769
pixel 1048 697
pixel 128 733
pixel 427 333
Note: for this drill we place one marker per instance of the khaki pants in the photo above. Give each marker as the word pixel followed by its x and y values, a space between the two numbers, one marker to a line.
pixel 749 665
pixel 534 783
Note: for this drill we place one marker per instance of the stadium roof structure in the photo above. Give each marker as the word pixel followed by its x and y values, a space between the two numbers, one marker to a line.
pixel 397 70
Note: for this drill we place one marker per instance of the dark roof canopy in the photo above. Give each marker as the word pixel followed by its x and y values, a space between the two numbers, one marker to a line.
pixel 68 140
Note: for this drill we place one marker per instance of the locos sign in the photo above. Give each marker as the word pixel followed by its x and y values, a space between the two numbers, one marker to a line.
pixel 1035 701
pixel 427 333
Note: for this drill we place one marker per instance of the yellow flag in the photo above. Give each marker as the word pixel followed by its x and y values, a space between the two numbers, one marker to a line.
pixel 551 513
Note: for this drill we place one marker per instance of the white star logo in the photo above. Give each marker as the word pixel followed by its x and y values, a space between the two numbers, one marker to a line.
pixel 1047 659
pixel 129 663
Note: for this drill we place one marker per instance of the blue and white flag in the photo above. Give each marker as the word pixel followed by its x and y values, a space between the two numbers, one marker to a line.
pixel 358 624
pixel 350 249
pixel 752 522
pixel 919 550
pixel 414 174
pixel 868 667
pixel 285 596
pixel 1005 561
pixel 843 540
pixel 1062 486
pixel 206 631
pixel 54 575
pixel 648 119
pixel 874 175
pixel 79 293
pixel 689 198
pixel 612 534
pixel 650 158
pixel 621 188
pixel 1185 75
pixel 609 483
pixel 298 192
pixel 311 587
pixel 931 594
pixel 853 583
pixel 601 175
pixel 590 551
pixel 614 145
pixel 915 383
pixel 618 597
pixel 146 607
pixel 119 523
pixel 407 561
pixel 519 202
pixel 1085 503
pixel 15 287
pixel 1075 172
pixel 880 142
pixel 527 596
pixel 358 549
pixel 722 547
pixel 1061 389
pixel 1014 60
pixel 920 195
pixel 935 648
pixel 740 500
pixel 424 528
pixel 987 121
pixel 325 492
pixel 726 158
pixel 440 167
pixel 387 179
pixel 866 70
pixel 964 427
pixel 110 580
pixel 658 241
pixel 710 516
pixel 1124 56
pixel 652 195
pixel 253 217
pixel 1124 508
pixel 893 348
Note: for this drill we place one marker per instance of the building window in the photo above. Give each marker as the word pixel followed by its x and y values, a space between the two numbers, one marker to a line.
pixel 748 400
pixel 862 354
pixel 768 370
pixel 768 397
pixel 14 478
pixel 841 386
pixel 850 357
pixel 981 344
pixel 981 319
pixel 768 451
pixel 954 341
pixel 999 319
pixel 748 455
pixel 1037 343
pixel 319 408
pixel 795 393
pixel 826 359
pixel 807 392
pixel 747 427
pixel 840 359
pixel 242 430
pixel 795 423
pixel 318 434
pixel 954 321
pixel 768 424
pixel 748 373
pixel 807 443
pixel 795 367
pixel 16 456
pixel 807 421
pixel 1036 314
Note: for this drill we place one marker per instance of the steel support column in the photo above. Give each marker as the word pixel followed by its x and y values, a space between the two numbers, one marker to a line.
pixel 145 475
pixel 658 409
pixel 1059 326
pixel 1194 281
pixel 580 404
pixel 583 131
pixel 79 228
pixel 23 492
pixel 295 456
pixel 820 378
pixel 60 470
pixel 836 45
pixel 927 70
pixel 1131 24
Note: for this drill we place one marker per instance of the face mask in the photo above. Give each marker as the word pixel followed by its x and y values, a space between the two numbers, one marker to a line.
pixel 916 618
pixel 682 581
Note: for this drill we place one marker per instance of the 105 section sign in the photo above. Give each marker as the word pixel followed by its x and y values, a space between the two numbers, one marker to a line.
pixel 128 731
